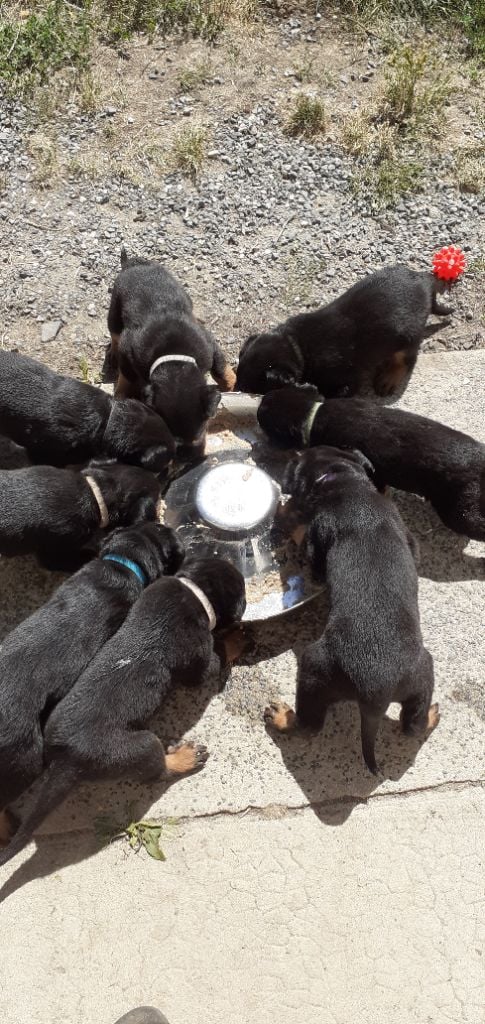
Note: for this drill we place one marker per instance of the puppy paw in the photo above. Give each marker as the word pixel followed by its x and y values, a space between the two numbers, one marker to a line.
pixel 279 716
pixel 185 757
pixel 433 718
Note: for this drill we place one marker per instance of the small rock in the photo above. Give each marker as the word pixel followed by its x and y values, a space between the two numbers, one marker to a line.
pixel 50 330
pixel 91 310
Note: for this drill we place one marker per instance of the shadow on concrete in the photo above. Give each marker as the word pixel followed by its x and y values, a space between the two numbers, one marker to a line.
pixel 24 587
pixel 331 760
pixel 120 801
pixel 442 554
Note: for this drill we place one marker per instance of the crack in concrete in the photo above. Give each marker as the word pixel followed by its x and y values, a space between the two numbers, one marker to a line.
pixel 275 812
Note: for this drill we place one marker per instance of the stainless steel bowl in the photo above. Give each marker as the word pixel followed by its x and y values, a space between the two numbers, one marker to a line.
pixel 226 505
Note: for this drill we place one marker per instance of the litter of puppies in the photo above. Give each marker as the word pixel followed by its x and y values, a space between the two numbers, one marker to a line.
pixel 139 614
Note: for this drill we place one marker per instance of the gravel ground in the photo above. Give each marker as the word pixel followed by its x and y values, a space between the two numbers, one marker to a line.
pixel 270 226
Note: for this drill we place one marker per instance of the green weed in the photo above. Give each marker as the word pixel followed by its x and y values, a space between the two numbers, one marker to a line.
pixel 54 35
pixel 308 118
pixel 416 89
pixel 143 834
pixel 189 150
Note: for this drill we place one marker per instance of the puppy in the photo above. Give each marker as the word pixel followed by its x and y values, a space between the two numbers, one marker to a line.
pixel 53 513
pixel 96 731
pixel 62 421
pixel 61 638
pixel 374 329
pixel 372 649
pixel 409 452
pixel 162 352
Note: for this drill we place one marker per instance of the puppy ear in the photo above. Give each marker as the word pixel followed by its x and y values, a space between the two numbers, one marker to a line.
pixel 145 510
pixel 173 553
pixel 210 401
pixel 278 378
pixel 365 463
pixel 156 459
pixel 245 343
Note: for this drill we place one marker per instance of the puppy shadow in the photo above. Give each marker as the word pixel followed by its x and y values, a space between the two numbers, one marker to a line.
pixel 74 828
pixel 328 766
pixel 442 556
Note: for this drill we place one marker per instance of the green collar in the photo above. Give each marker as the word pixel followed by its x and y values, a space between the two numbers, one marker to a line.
pixel 306 429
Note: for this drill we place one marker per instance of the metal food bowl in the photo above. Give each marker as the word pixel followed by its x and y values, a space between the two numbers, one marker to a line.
pixel 226 506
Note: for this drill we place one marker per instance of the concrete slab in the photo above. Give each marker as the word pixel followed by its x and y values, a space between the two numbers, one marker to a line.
pixel 374 920
pixel 247 767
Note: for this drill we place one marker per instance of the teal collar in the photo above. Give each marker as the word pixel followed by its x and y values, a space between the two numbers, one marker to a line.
pixel 132 566
pixel 306 429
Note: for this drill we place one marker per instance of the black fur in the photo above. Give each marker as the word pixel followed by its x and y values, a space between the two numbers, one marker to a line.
pixel 372 649
pixel 97 731
pixel 43 657
pixel 62 421
pixel 53 513
pixel 151 315
pixel 409 452
pixel 357 335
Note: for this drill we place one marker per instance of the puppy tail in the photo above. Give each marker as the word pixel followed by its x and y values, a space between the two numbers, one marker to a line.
pixel 124 256
pixel 57 782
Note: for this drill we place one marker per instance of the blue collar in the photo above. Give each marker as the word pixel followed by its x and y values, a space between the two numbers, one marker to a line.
pixel 132 566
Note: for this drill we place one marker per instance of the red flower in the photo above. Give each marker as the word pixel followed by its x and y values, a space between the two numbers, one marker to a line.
pixel 449 263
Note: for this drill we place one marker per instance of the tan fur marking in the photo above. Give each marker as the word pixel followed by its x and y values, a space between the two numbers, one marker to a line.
pixel 115 341
pixel 235 643
pixel 298 534
pixel 280 716
pixel 391 374
pixel 6 830
pixel 433 717
pixel 228 380
pixel 184 757
pixel 125 388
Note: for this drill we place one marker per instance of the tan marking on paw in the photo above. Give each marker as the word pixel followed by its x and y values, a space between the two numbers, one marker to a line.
pixel 185 757
pixel 227 382
pixel 6 828
pixel 280 716
pixel 433 717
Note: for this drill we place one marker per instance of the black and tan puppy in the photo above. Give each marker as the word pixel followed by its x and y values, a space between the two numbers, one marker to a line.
pixel 371 332
pixel 61 421
pixel 97 731
pixel 43 657
pixel 162 353
pixel 409 452
pixel 53 513
pixel 372 649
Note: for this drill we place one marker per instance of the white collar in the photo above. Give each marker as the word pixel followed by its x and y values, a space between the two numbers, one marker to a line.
pixel 199 594
pixel 103 508
pixel 170 359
